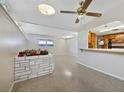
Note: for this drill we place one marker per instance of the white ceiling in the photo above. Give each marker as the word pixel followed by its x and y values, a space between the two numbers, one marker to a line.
pixel 44 31
pixel 26 10
pixel 109 28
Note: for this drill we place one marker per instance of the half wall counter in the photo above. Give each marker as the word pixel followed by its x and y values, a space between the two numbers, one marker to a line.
pixel 108 61
pixel 32 66
pixel 109 51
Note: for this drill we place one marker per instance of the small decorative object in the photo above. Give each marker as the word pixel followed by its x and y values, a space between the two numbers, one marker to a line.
pixel 101 42
pixel 32 52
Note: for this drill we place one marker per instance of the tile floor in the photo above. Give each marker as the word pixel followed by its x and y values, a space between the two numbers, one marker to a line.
pixel 69 76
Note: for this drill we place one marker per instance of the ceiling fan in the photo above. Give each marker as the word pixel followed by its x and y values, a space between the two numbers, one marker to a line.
pixel 82 10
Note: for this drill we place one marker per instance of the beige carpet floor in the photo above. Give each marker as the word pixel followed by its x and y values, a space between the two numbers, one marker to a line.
pixel 68 76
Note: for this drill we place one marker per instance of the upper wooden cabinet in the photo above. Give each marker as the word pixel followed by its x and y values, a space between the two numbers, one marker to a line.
pixel 91 40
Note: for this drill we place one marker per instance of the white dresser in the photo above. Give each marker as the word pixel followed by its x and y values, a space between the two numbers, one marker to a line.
pixel 32 66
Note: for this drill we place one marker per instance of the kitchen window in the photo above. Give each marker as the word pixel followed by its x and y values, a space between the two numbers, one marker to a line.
pixel 46 43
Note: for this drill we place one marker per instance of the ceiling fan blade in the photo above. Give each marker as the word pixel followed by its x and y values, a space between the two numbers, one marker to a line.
pixel 77 20
pixel 70 12
pixel 94 14
pixel 86 4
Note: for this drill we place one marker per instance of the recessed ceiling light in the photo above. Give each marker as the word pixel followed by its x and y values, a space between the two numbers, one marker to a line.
pixel 46 9
pixel 68 37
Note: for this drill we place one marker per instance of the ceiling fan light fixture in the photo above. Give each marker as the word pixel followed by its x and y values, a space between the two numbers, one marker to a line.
pixel 82 10
pixel 46 9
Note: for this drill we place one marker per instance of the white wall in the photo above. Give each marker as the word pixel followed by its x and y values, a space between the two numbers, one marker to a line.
pixel 59 44
pixel 108 63
pixel 72 46
pixel 11 41
pixel 60 47
pixel 83 39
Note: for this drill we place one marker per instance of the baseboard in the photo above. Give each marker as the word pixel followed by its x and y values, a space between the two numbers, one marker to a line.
pixel 59 54
pixel 115 76
pixel 74 56
pixel 65 55
pixel 11 87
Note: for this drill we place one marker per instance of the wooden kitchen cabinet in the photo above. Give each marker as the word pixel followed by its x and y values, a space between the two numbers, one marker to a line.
pixel 91 40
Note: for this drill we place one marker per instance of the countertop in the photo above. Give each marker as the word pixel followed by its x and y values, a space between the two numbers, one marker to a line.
pixel 117 51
